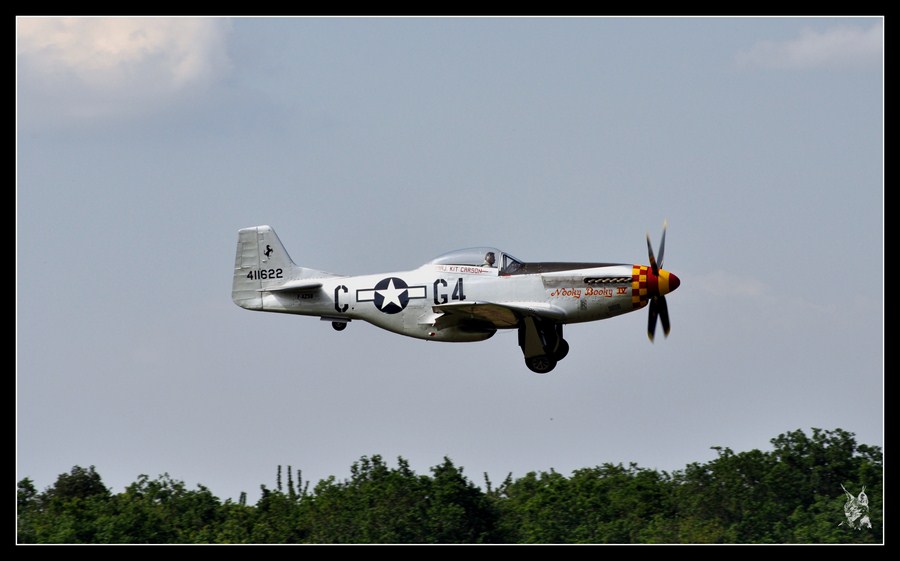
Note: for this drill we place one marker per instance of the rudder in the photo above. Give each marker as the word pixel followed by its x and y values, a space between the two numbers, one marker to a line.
pixel 260 261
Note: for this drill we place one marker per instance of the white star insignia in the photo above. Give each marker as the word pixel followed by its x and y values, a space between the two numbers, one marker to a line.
pixel 391 295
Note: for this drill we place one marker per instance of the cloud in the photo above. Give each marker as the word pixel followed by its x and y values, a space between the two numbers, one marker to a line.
pixel 726 284
pixel 837 47
pixel 95 66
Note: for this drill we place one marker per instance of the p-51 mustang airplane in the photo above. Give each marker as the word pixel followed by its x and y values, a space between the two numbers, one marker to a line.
pixel 461 296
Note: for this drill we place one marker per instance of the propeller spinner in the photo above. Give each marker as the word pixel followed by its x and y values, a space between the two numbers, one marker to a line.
pixel 665 283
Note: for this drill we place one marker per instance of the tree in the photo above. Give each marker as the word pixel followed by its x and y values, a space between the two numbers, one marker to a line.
pixel 791 494
pixel 160 510
pixel 457 511
pixel 27 511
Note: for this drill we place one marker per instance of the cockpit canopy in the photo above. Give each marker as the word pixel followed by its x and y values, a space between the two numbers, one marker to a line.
pixel 480 257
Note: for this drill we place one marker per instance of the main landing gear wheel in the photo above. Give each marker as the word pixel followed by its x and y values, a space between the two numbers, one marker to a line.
pixel 541 364
pixel 339 325
pixel 562 350
pixel 542 343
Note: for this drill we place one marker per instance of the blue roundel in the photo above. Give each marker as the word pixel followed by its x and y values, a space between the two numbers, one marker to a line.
pixel 391 295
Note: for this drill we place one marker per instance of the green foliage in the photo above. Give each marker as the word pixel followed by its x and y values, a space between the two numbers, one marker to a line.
pixel 65 512
pixel 160 510
pixel 791 494
pixel 604 504
pixel 379 504
pixel 79 483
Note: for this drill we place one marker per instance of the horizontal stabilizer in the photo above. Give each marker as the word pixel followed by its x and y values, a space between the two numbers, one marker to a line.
pixel 294 286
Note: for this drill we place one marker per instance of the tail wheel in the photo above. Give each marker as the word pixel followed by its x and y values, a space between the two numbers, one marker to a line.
pixel 541 364
pixel 339 325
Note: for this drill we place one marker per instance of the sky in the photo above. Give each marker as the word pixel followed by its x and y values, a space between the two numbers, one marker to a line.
pixel 375 144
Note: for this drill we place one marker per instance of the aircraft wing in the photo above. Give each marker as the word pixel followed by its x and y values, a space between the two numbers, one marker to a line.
pixel 499 315
pixel 294 286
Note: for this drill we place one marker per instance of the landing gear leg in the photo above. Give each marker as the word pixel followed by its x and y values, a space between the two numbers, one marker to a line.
pixel 542 344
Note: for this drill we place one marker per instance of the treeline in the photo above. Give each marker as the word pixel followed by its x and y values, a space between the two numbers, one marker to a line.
pixel 792 494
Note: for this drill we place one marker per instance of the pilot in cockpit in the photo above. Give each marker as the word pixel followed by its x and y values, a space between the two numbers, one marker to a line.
pixel 488 259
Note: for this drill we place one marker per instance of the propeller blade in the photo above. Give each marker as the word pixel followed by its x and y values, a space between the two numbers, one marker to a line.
pixel 662 243
pixel 658 308
pixel 664 314
pixel 653 266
